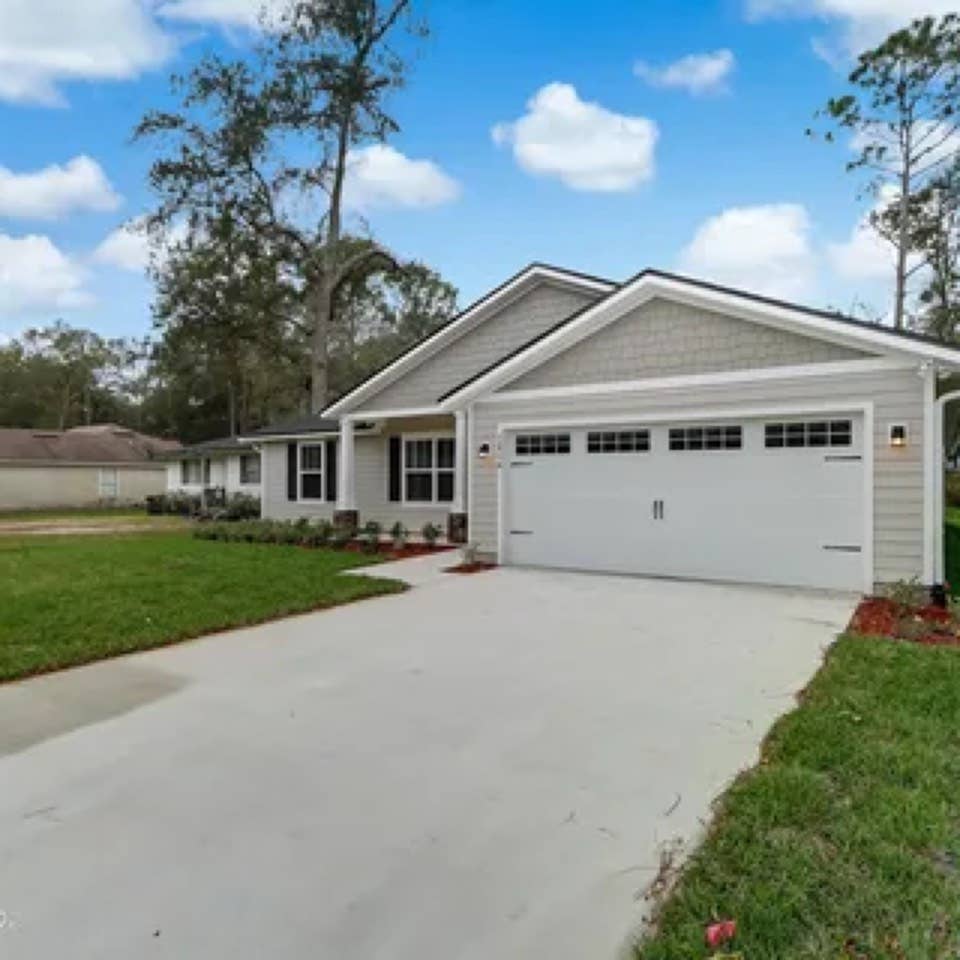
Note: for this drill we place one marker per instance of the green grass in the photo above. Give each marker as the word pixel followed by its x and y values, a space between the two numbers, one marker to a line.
pixel 951 545
pixel 66 601
pixel 848 830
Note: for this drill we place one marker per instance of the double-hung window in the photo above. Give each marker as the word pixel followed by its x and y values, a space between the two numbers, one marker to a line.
pixel 428 469
pixel 249 468
pixel 191 473
pixel 311 471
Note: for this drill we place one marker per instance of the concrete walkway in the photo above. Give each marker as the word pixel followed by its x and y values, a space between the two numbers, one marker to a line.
pixel 484 767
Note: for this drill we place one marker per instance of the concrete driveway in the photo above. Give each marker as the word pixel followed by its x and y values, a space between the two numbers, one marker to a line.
pixel 485 767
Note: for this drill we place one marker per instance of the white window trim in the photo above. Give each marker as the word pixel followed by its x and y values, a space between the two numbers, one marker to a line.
pixel 185 481
pixel 434 470
pixel 322 471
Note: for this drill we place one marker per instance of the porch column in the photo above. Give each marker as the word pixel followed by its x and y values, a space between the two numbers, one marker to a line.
pixel 457 522
pixel 346 515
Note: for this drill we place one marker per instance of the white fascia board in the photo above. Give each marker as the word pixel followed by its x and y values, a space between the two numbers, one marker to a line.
pixel 694 380
pixel 277 437
pixel 361 415
pixel 485 305
pixel 646 288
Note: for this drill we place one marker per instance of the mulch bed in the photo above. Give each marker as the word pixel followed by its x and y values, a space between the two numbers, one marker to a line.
pixel 883 617
pixel 388 550
pixel 478 566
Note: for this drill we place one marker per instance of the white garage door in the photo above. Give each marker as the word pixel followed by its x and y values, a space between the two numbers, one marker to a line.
pixel 776 500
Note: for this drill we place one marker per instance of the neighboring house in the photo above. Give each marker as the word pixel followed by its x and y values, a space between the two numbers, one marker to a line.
pixel 662 426
pixel 85 466
pixel 225 464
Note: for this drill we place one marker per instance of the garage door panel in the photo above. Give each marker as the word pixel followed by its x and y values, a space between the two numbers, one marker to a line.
pixel 790 516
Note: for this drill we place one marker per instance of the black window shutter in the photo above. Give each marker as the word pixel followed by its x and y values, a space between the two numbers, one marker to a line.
pixel 331 472
pixel 292 471
pixel 394 488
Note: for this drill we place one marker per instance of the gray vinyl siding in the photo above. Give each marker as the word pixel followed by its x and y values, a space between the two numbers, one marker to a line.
pixel 898 474
pixel 372 475
pixel 663 338
pixel 477 348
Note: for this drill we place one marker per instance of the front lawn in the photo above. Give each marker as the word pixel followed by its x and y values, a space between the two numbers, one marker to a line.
pixel 66 601
pixel 75 514
pixel 845 840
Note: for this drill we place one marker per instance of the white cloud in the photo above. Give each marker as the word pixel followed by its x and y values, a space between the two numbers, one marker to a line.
pixel 860 23
pixel 56 191
pixel 380 176
pixel 583 144
pixel 46 42
pixel 37 277
pixel 229 13
pixel 697 73
pixel 765 249
pixel 126 248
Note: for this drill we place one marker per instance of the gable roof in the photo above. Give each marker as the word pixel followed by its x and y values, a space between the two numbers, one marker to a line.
pixel 651 282
pixel 207 448
pixel 305 423
pixel 98 444
pixel 526 278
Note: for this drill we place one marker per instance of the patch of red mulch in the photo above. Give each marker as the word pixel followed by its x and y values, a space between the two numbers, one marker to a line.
pixel 927 625
pixel 477 566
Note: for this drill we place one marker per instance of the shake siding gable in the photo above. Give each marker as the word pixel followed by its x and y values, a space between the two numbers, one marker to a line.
pixel 512 326
pixel 663 338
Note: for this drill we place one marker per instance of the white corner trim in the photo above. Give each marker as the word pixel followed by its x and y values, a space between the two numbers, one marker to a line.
pixel 720 378
pixel 645 287
pixel 863 407
pixel 491 302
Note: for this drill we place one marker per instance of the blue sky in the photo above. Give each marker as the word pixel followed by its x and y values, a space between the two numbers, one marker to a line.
pixel 524 136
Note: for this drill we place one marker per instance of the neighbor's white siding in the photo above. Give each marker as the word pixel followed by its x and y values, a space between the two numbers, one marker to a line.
pixel 31 487
pixel 898 473
pixel 224 472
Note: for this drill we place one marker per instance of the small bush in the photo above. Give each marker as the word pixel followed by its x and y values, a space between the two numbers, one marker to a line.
pixel 951 489
pixel 400 534
pixel 430 533
pixel 370 535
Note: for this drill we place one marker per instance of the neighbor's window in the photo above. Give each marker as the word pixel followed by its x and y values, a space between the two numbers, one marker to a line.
pixel 536 444
pixel 191 472
pixel 618 441
pixel 311 471
pixel 706 438
pixel 813 433
pixel 428 469
pixel 250 468
pixel 108 482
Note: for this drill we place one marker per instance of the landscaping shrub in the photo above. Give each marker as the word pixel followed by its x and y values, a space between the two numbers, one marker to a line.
pixel 178 504
pixel 400 534
pixel 370 536
pixel 430 533
pixel 951 489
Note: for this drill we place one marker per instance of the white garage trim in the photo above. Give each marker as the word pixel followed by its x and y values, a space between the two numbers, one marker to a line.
pixel 864 408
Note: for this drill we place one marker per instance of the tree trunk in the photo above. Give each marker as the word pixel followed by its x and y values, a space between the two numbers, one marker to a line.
pixel 232 406
pixel 321 306
pixel 903 246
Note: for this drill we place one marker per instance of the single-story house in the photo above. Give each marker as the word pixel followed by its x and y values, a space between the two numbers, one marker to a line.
pixel 226 464
pixel 82 467
pixel 660 426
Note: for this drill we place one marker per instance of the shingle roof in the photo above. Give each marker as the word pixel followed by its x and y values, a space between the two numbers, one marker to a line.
pixel 305 423
pixel 101 443
pixel 207 447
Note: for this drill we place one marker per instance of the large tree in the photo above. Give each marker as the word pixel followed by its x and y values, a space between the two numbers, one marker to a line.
pixel 902 113
pixel 269 143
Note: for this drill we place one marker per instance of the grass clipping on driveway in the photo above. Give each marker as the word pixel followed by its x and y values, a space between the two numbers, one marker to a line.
pixel 67 601
pixel 845 840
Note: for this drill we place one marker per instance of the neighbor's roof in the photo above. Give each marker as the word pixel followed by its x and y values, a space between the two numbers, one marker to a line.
pixel 207 447
pixel 100 443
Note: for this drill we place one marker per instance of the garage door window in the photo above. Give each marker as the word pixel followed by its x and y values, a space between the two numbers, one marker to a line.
pixel 618 441
pixel 815 433
pixel 706 438
pixel 535 444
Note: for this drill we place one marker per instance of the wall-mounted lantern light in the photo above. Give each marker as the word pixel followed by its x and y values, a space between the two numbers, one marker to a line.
pixel 483 451
pixel 898 434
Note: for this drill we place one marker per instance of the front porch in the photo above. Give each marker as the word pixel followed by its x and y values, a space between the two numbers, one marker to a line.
pixel 421 461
